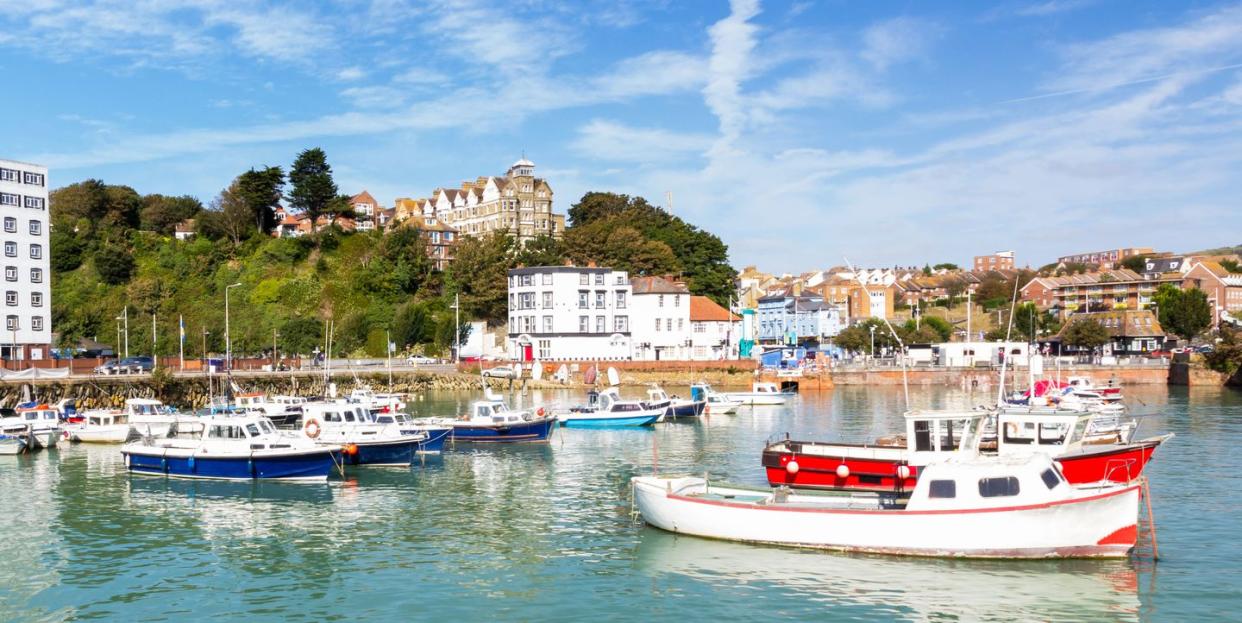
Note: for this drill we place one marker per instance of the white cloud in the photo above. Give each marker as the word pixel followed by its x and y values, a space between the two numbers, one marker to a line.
pixel 1051 7
pixel 655 73
pixel 374 97
pixel 608 140
pixel 897 40
pixel 733 38
pixel 349 74
pixel 420 76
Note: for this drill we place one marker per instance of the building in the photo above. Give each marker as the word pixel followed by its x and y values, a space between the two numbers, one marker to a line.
pixel 366 211
pixel 27 262
pixel 1001 260
pixel 518 202
pixel 797 319
pixel 440 238
pixel 569 313
pixel 1104 259
pixel 873 298
pixel 185 229
pixel 714 330
pixel 1131 332
pixel 1223 288
pixel 1099 291
pixel 661 319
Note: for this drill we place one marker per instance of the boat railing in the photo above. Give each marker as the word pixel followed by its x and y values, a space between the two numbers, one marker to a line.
pixel 1113 466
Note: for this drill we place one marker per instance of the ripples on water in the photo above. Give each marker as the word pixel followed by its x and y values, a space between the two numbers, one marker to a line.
pixel 543 533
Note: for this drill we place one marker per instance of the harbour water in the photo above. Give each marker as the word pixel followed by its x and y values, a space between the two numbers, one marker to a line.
pixel 545 533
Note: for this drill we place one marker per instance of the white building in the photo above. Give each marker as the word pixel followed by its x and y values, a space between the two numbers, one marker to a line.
pixel 27 264
pixel 661 326
pixel 714 330
pixel 569 313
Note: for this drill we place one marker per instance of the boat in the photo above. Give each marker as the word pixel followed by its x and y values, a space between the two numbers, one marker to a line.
pixel 99 427
pixel 435 434
pixel 283 411
pixel 38 425
pixel 379 403
pixel 11 444
pixel 716 402
pixel 672 407
pixel 972 507
pixel 244 447
pixel 762 393
pixel 491 421
pixel 895 463
pixel 607 409
pixel 150 418
pixel 361 439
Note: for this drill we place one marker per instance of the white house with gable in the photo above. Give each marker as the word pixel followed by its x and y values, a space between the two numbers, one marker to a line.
pixel 568 313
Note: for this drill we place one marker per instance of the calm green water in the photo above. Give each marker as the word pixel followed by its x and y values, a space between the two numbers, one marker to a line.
pixel 543 533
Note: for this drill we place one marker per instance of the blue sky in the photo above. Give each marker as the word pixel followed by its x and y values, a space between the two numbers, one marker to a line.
pixel 801 132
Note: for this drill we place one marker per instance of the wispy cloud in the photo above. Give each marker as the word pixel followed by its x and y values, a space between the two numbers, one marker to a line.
pixel 608 140
pixel 897 40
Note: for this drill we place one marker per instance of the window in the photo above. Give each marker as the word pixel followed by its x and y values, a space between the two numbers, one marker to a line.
pixel 620 299
pixel 657 324
pixel 36 251
pixel 600 325
pixel 34 202
pixel 599 299
pixel 698 327
pixel 547 300
pixel 1005 486
pixel 36 323
pixel 526 300
pixel 622 324
pixel 583 299
pixel 584 324
pixel 9 175
pixel 10 273
pixel 547 279
pixel 10 323
pixel 528 280
pixel 36 228
pixel 660 299
pixel 34 178
pixel 922 436
pixel 584 279
pixel 10 199
pixel 547 324
pixel 36 299
pixel 681 324
pixel 942 489
pixel 512 300
pixel 10 298
pixel 545 349
pixel 599 279
pixel 676 300
pixel 10 224
pixel 1050 478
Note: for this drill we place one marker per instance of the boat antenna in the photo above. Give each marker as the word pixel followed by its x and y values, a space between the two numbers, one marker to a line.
pixel 905 382
pixel 1000 393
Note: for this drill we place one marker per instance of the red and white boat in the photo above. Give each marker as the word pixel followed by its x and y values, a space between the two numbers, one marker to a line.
pixel 895 463
pixel 974 507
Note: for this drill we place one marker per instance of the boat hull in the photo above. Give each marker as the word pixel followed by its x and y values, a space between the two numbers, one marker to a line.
pixel 526 432
pixel 678 410
pixel 586 421
pixel 152 429
pixel 297 465
pixel 389 452
pixel 10 445
pixel 1095 526
pixel 434 443
pixel 99 434
pixel 753 399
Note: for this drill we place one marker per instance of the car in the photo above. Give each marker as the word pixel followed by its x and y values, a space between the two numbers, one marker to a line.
pixel 136 364
pixel 420 360
pixel 1205 349
pixel 107 367
pixel 501 372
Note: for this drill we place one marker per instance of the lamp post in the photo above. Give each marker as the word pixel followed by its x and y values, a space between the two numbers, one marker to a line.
pixel 206 367
pixel 872 341
pixel 123 321
pixel 457 327
pixel 228 338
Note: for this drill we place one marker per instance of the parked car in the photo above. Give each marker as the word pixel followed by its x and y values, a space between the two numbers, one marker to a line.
pixel 420 360
pixel 107 367
pixel 501 372
pixel 136 364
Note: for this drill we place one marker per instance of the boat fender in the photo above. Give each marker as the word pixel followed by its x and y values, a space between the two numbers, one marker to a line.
pixel 312 428
pixel 791 467
pixel 539 412
pixel 350 449
pixel 843 471
pixel 190 463
pixel 903 472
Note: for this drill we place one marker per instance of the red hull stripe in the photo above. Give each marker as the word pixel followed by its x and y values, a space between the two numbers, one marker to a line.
pixel 1122 536
pixel 1003 509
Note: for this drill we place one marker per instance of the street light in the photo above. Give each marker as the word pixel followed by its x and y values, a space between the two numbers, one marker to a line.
pixel 872 341
pixel 228 338
pixel 125 318
pixel 206 366
pixel 456 307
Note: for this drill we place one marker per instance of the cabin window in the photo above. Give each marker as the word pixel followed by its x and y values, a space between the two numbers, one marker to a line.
pixel 349 416
pixel 331 416
pixel 1050 478
pixel 942 489
pixel 385 420
pixel 1004 486
pixel 946 436
pixel 1019 432
pixel 1052 434
pixel 253 430
pixel 922 436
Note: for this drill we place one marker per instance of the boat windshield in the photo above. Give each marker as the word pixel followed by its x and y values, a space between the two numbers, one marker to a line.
pixel 253 429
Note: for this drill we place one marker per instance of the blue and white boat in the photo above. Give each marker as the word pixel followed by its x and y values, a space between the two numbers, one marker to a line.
pixel 673 407
pixel 11 444
pixel 607 410
pixel 436 434
pixel 246 447
pixel 363 441
pixel 491 421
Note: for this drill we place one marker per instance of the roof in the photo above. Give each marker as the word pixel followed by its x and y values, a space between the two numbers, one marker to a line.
pixel 363 197
pixel 523 163
pixel 420 223
pixel 186 226
pixel 703 309
pixel 1122 323
pixel 658 285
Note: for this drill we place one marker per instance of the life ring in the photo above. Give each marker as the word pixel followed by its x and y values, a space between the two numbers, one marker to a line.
pixel 312 428
pixel 539 412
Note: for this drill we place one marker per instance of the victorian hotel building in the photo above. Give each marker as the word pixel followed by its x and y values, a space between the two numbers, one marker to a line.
pixel 27 274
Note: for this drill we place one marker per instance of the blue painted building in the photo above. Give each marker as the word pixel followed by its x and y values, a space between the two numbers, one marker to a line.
pixel 789 319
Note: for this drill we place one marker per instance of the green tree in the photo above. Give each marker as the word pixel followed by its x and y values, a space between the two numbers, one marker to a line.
pixel 114 264
pixel 413 325
pixel 1227 355
pixel 927 270
pixel 301 335
pixel 1136 263
pixel 942 327
pixel 160 213
pixel 1085 333
pixel 1184 313
pixel 229 217
pixel 260 189
pixel 314 192
pixel 541 251
pixel 66 250
pixel 480 274
pixel 1231 265
pixel 858 336
pixel 946 266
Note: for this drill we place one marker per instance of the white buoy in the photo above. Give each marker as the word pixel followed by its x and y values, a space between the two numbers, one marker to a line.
pixel 903 472
pixel 843 471
pixel 791 467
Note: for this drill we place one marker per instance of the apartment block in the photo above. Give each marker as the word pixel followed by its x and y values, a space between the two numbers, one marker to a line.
pixel 27 263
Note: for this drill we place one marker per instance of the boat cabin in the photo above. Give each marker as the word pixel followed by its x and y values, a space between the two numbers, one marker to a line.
pixel 656 395
pixel 766 388
pixel 1001 482
pixel 105 418
pixel 610 401
pixel 495 412
pixel 1040 433
pixel 251 401
pixel 337 413
pixel 41 414
pixel 933 435
pixel 145 406
pixel 257 430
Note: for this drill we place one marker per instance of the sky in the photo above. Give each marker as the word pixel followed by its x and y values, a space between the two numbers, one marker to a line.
pixel 801 132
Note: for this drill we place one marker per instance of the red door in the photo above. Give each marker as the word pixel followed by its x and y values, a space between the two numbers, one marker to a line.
pixel 527 354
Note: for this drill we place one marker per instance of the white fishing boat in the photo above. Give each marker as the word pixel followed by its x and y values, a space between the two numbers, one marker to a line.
pixel 377 402
pixel 607 409
pixel 973 507
pixel 362 439
pixel 716 402
pixel 99 427
pixel 672 407
pixel 11 444
pixel 283 411
pixel 150 418
pixel 491 421
pixel 762 393
pixel 39 426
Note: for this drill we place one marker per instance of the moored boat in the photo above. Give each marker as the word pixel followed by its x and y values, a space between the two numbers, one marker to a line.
pixel 38 425
pixel 434 434
pixel 1018 507
pixel 715 403
pixel 11 444
pixel 762 393
pixel 361 439
pixel 609 410
pixel 242 447
pixel 491 421
pixel 99 427
pixel 673 407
